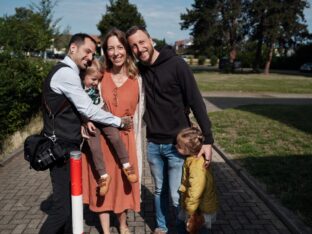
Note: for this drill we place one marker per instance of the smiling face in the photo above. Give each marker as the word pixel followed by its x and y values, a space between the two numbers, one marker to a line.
pixel 82 54
pixel 116 52
pixel 142 47
pixel 92 80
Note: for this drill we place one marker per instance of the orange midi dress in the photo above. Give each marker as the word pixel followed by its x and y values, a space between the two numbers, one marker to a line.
pixel 122 195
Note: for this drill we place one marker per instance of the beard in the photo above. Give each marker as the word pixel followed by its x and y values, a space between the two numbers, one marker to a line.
pixel 148 61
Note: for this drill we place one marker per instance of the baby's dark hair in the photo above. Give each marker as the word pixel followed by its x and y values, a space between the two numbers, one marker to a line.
pixel 190 140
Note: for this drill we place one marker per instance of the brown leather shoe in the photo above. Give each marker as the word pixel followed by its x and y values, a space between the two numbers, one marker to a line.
pixel 130 173
pixel 194 223
pixel 104 185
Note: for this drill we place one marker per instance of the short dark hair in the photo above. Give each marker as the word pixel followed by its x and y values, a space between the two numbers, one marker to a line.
pixel 79 39
pixel 134 29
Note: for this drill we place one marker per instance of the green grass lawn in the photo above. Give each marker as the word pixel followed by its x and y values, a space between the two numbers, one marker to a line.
pixel 214 81
pixel 274 144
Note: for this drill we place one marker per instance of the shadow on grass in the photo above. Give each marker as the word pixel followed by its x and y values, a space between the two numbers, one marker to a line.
pixel 288 178
pixel 296 116
pixel 294 112
pixel 201 69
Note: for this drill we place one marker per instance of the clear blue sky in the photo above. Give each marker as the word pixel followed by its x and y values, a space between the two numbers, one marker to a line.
pixel 162 17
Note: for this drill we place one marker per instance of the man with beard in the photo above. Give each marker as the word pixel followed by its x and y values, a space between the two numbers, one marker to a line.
pixel 170 90
pixel 64 101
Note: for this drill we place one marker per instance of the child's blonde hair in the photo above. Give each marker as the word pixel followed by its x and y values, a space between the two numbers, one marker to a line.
pixel 95 67
pixel 190 140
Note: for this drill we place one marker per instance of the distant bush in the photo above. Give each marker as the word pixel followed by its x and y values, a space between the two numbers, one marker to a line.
pixel 20 91
pixel 213 60
pixel 201 60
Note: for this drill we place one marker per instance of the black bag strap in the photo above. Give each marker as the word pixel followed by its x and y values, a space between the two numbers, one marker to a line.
pixel 62 107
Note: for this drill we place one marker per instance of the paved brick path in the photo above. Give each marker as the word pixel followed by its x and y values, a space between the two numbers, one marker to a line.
pixel 25 200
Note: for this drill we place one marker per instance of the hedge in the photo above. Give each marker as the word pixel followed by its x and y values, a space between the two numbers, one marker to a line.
pixel 20 91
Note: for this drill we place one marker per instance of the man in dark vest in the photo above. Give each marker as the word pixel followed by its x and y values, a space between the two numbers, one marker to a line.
pixel 65 99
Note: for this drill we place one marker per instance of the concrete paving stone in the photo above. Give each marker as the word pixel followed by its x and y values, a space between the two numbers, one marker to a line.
pixel 243 219
pixel 235 224
pixel 271 229
pixel 19 229
pixel 6 231
pixel 241 210
pixel 139 230
pixel 251 216
pixel 20 215
pixel 256 210
pixel 253 226
pixel 30 231
pixel 7 226
pixel 7 205
pixel 227 229
pixel 6 219
pixel 34 223
pixel 19 208
pixel 20 221
pixel 139 219
pixel 249 204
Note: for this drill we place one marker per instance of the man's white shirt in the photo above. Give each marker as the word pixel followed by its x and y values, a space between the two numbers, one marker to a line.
pixel 67 81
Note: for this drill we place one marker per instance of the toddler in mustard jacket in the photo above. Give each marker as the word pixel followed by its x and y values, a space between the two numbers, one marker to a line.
pixel 199 201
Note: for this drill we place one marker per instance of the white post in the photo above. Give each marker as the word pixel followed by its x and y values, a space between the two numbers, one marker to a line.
pixel 76 191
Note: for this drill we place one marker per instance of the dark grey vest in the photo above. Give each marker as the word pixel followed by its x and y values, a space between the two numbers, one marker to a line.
pixel 67 119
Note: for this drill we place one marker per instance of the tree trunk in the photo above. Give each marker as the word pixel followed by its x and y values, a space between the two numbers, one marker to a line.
pixel 269 60
pixel 233 55
pixel 258 57
pixel 257 61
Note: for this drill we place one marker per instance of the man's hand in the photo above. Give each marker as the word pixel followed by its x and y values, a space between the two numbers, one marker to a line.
pixel 126 122
pixel 206 150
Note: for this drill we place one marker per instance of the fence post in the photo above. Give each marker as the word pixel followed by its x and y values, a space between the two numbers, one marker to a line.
pixel 76 192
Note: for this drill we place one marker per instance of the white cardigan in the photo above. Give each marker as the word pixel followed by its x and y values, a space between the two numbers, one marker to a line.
pixel 139 125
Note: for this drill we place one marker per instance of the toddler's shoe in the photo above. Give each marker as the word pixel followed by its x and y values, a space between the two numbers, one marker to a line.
pixel 194 223
pixel 103 184
pixel 130 173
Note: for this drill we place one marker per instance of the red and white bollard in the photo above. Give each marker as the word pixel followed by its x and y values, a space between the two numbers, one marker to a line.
pixel 76 192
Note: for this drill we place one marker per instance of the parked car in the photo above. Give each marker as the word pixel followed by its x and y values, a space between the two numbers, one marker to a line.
pixel 226 65
pixel 306 67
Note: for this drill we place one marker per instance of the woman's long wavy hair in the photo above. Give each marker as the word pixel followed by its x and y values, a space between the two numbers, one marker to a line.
pixel 131 68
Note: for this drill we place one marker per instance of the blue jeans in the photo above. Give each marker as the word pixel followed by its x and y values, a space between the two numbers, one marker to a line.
pixel 166 168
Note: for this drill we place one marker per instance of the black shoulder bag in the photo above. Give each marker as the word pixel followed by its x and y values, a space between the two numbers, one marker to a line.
pixel 41 150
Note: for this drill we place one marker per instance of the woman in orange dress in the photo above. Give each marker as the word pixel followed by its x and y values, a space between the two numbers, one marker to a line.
pixel 120 89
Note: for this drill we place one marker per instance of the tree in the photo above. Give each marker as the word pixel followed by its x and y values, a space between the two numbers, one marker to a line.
pixel 29 29
pixel 202 20
pixel 45 9
pixel 159 43
pixel 215 26
pixel 25 31
pixel 275 24
pixel 120 14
